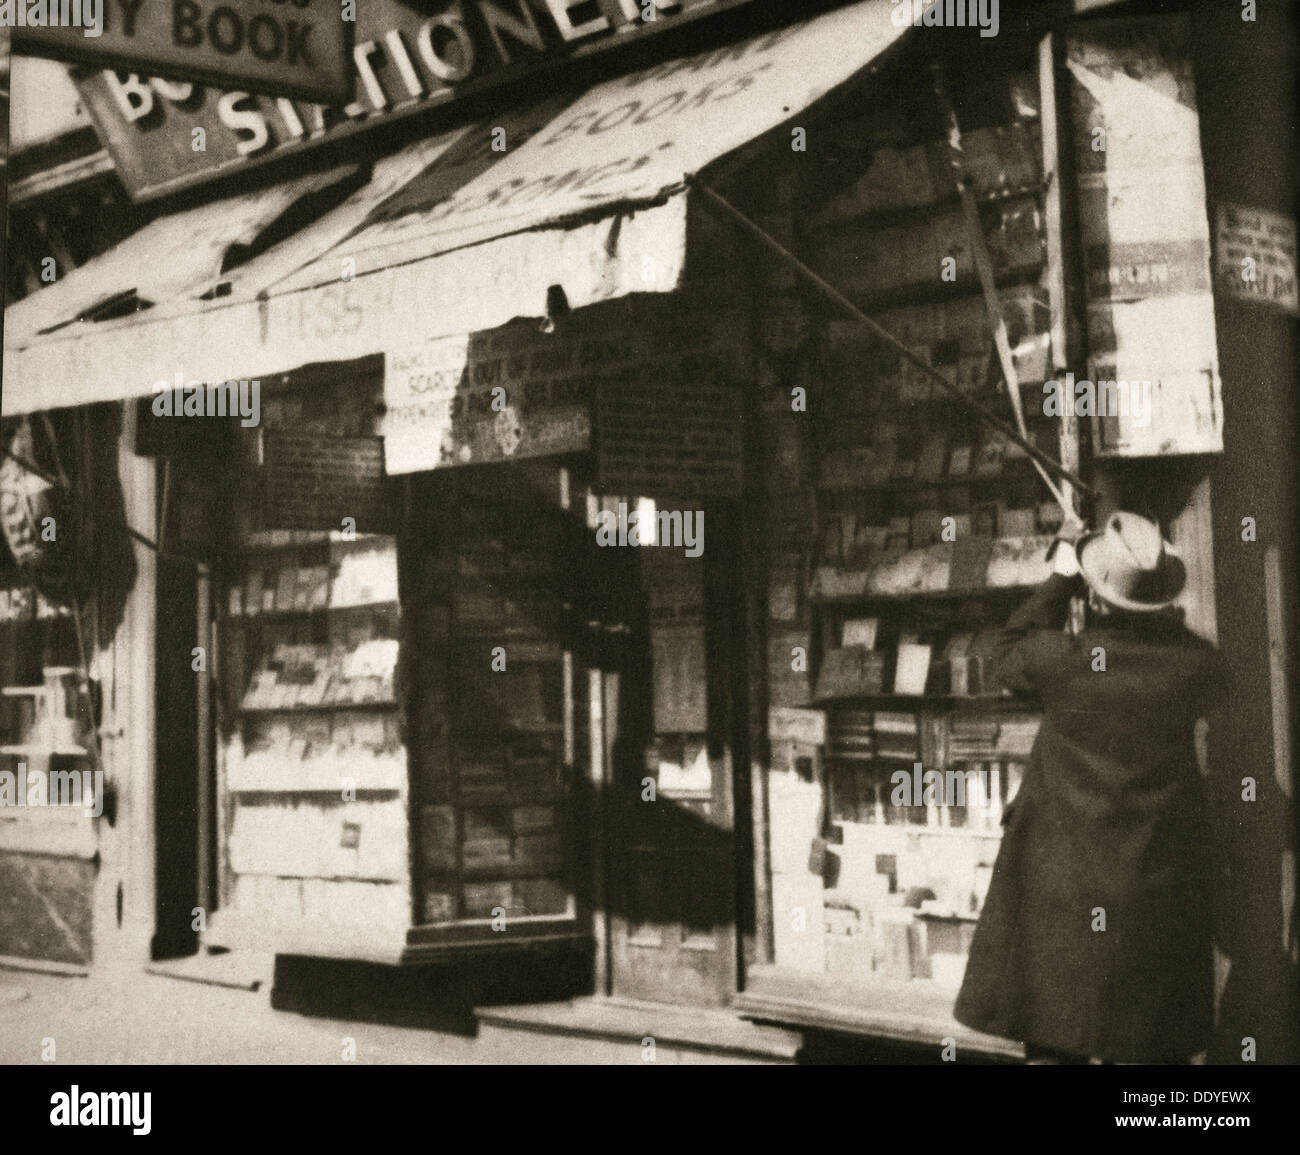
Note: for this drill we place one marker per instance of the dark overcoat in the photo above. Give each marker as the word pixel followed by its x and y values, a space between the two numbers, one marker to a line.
pixel 1108 830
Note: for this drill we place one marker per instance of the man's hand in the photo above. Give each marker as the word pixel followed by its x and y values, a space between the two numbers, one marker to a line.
pixel 1064 561
pixel 1071 529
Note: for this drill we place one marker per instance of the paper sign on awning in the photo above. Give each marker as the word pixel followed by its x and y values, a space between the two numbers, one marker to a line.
pixel 592 201
pixel 633 140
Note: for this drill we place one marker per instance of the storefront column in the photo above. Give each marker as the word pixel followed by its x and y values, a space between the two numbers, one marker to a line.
pixel 125 902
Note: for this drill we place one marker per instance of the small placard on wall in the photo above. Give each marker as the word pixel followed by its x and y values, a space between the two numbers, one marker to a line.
pixel 314 482
pixel 1254 256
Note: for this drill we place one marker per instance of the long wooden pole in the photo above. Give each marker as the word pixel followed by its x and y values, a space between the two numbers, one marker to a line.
pixel 759 234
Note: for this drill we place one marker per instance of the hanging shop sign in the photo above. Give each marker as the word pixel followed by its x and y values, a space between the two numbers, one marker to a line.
pixel 1254 256
pixel 289 48
pixel 653 388
pixel 408 55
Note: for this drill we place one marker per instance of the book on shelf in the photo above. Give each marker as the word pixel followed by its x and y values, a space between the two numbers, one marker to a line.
pixel 981 660
pixel 933 455
pixel 970 562
pixel 988 461
pixel 831 543
pixel 936 739
pixel 898 573
pixel 912 668
pixel 972 739
pixel 868 544
pixel 984 519
pixel 899 532
pixel 286 583
pixel 831 581
pixel 1018 522
pixel 959 461
pixel 850 671
pixel 1016 735
pixel 848 535
pixel 936 568
pixel 955 655
pixel 253 593
pixel 860 632
pixel 850 735
pixel 926 527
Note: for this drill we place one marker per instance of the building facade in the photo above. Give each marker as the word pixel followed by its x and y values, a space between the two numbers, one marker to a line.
pixel 583 569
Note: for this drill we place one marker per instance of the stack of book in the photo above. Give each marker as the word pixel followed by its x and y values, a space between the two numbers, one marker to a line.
pixel 1019 561
pixel 973 739
pixel 850 735
pixel 897 736
pixel 1016 735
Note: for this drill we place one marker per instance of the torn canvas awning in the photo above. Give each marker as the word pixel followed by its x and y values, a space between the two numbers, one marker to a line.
pixel 179 257
pixel 590 198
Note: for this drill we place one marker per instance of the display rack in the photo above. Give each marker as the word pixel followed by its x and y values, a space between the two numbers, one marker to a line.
pixel 928 528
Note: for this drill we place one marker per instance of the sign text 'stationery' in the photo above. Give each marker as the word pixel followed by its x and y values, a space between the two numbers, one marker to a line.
pixel 407 55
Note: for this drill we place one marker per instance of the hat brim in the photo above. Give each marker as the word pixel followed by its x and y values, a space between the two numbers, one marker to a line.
pixel 1172 579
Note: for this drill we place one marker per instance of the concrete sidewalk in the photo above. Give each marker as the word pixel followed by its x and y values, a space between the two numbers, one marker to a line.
pixel 137 1017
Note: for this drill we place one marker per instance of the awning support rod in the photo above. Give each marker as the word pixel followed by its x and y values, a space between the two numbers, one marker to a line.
pixel 769 242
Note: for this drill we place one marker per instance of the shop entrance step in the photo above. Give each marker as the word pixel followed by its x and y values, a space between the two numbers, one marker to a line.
pixel 241 970
pixel 620 1028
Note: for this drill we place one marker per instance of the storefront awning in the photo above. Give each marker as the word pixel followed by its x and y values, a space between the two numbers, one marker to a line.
pixel 175 258
pixel 454 235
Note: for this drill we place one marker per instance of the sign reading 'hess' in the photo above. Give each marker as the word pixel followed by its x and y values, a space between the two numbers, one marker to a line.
pixel 296 48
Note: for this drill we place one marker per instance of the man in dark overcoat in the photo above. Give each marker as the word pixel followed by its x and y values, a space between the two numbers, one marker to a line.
pixel 1094 940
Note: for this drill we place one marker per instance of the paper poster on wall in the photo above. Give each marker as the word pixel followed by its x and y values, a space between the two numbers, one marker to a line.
pixel 652 386
pixel 1151 384
pixel 510 393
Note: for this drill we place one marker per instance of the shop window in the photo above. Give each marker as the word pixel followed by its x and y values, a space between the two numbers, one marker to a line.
pixel 499 715
pixel 903 532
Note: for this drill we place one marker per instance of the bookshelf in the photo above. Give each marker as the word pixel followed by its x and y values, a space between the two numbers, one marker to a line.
pixel 313 753
pixel 497 719
pixel 906 532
